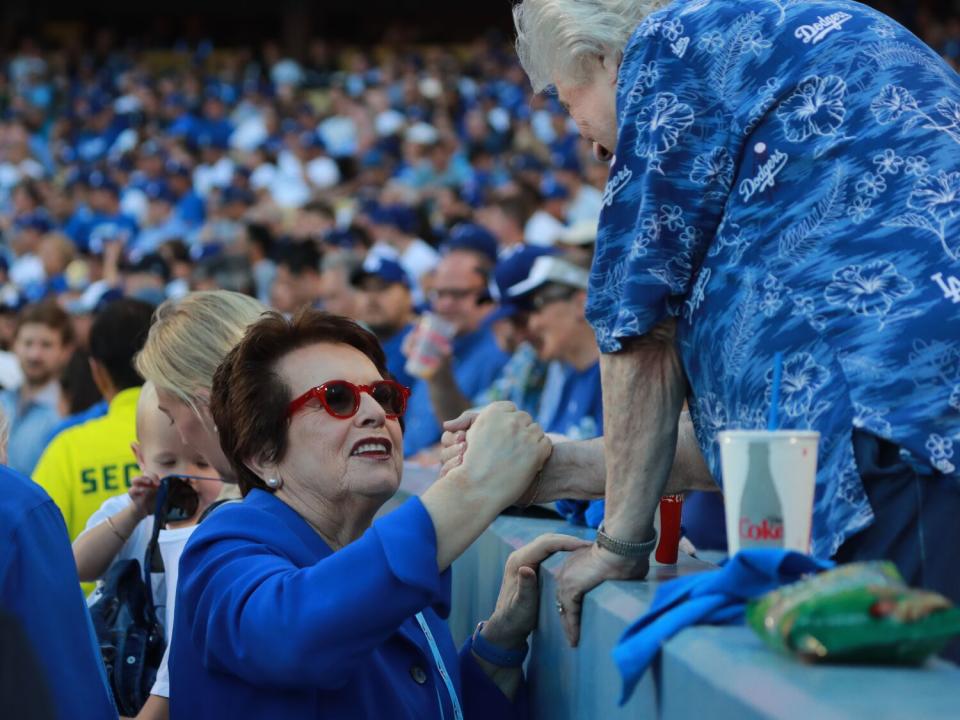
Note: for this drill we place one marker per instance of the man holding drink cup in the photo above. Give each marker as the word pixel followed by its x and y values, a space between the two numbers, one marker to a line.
pixel 453 344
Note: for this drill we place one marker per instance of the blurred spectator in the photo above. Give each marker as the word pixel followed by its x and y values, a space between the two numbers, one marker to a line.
pixel 297 280
pixel 42 344
pixel 393 228
pixel 386 307
pixel 336 294
pixel 461 296
pixel 86 464
pixel 259 247
pixel 80 398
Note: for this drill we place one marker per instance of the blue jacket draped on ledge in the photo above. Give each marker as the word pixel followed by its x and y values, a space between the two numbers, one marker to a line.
pixel 271 623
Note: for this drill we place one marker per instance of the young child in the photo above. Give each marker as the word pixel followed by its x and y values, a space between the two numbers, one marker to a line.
pixel 123 525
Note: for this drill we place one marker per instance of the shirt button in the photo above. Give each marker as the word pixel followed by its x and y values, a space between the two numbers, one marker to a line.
pixel 418 675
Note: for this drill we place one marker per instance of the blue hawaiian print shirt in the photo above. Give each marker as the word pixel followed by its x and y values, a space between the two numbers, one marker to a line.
pixel 787 178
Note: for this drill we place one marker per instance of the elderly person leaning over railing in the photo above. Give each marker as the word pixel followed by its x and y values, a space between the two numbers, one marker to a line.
pixel 783 178
pixel 296 603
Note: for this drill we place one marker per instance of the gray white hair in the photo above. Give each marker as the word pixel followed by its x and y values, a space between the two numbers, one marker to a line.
pixel 562 38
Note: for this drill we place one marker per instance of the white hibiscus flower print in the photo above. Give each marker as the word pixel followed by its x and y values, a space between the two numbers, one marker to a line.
pixel 869 418
pixel 888 162
pixel 715 166
pixel 868 290
pixel 638 248
pixel 916 165
pixel 712 42
pixel 941 452
pixel 860 210
pixel 771 303
pixel 755 43
pixel 651 228
pixel 892 102
pixel 802 378
pixel 950 111
pixel 884 30
pixel 815 108
pixel 938 195
pixel 690 237
pixel 672 30
pixel 660 122
pixel 871 185
pixel 955 398
pixel 648 74
pixel 672 216
pixel 711 415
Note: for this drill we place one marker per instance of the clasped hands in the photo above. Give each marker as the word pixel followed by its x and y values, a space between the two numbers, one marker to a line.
pixel 503 441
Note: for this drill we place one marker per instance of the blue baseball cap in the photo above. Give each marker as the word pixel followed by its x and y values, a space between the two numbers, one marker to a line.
pixel 552 190
pixel 234 194
pixel 158 190
pixel 513 268
pixel 341 237
pixel 101 181
pixel 473 237
pixel 398 216
pixel 38 221
pixel 385 269
pixel 177 168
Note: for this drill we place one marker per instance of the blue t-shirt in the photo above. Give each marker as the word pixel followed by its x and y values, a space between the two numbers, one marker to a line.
pixel 477 360
pixel 578 414
pixel 30 426
pixel 396 360
pixel 787 178
pixel 106 228
pixel 39 586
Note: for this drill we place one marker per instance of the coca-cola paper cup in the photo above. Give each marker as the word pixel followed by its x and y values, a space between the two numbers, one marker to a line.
pixel 768 484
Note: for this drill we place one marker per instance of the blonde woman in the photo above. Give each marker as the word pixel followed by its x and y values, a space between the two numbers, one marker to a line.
pixel 187 341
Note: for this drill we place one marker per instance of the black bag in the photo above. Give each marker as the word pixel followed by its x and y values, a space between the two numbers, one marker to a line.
pixel 130 636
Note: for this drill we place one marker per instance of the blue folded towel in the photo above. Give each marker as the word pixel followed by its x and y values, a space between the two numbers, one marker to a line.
pixel 717 597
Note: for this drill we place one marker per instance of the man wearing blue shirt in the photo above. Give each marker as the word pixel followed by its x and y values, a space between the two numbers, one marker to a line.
pixel 461 296
pixel 109 223
pixel 386 307
pixel 42 345
pixel 40 588
pixel 555 290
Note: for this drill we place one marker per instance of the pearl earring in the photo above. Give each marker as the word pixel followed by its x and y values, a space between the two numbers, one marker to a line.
pixel 274 483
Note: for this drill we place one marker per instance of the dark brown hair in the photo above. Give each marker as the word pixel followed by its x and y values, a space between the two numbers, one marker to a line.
pixel 249 399
pixel 50 314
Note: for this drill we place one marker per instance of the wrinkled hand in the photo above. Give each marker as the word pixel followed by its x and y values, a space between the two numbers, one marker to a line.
pixel 453 442
pixel 143 492
pixel 515 615
pixel 505 448
pixel 584 570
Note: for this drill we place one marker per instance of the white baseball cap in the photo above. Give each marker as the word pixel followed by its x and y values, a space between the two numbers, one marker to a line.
pixel 582 232
pixel 551 269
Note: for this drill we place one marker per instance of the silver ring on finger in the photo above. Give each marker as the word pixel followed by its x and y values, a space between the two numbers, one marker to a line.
pixel 560 608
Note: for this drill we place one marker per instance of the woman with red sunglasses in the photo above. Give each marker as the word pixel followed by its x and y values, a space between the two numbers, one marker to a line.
pixel 296 602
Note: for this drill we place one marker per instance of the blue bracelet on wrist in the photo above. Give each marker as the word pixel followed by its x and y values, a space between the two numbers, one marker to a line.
pixel 496 655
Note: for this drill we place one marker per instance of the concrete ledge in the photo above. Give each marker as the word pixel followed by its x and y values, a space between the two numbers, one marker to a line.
pixel 714 672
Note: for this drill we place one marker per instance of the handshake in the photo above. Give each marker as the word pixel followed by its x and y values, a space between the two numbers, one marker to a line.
pixel 500 448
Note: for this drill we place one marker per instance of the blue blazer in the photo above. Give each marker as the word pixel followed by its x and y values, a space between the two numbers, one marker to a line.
pixel 270 623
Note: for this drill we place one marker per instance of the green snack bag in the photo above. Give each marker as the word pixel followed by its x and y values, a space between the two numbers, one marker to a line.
pixel 858 613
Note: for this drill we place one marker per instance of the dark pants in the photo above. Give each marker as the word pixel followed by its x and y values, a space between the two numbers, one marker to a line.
pixel 916 524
